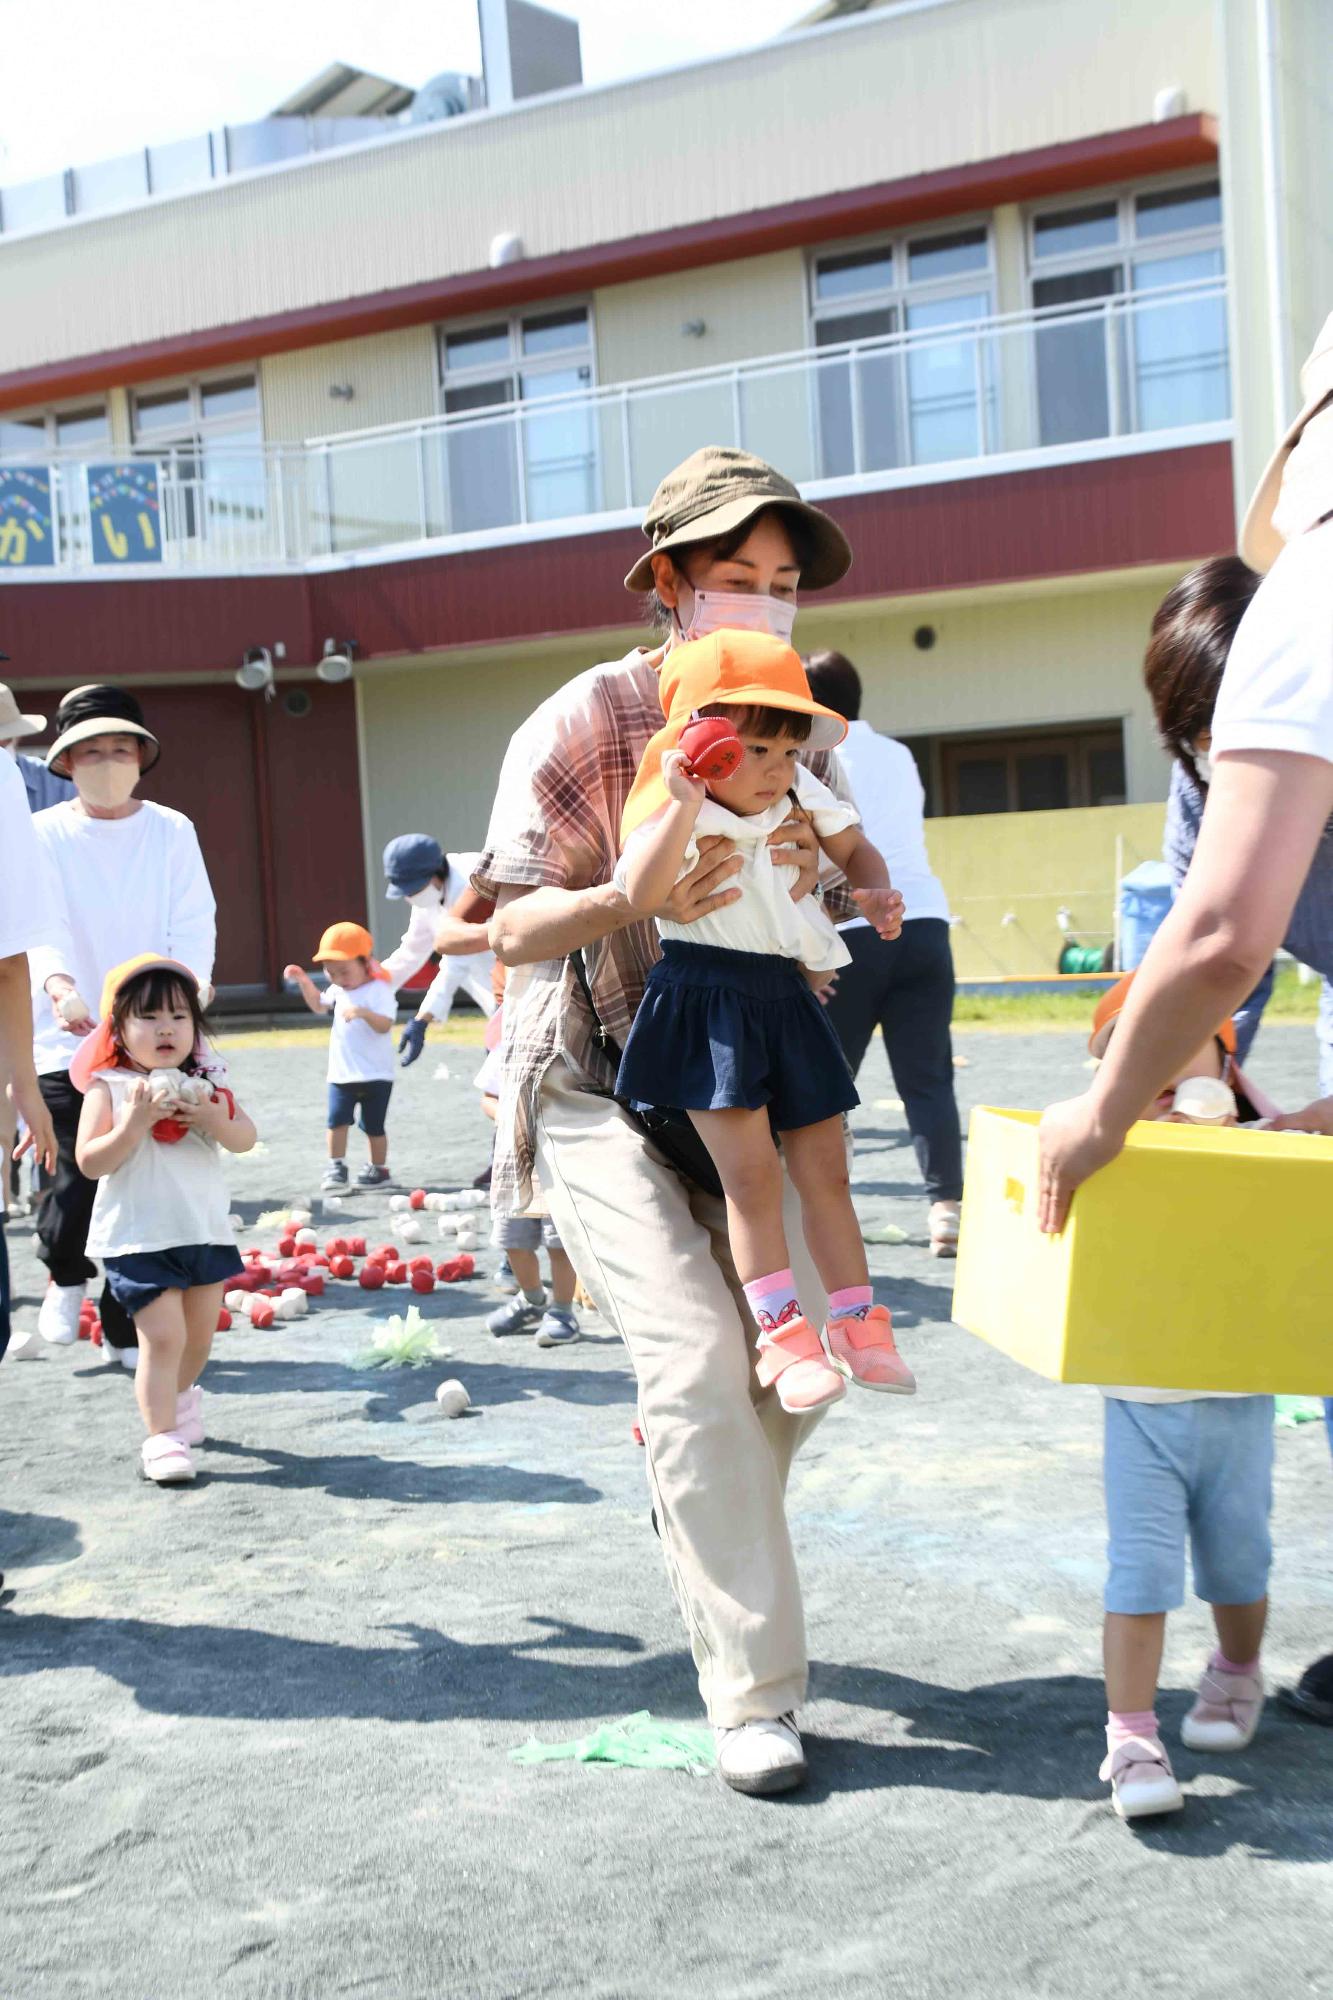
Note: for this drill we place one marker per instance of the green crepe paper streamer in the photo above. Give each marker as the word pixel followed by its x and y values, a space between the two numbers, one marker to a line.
pixel 1293 1410
pixel 402 1343
pixel 639 1743
pixel 882 1232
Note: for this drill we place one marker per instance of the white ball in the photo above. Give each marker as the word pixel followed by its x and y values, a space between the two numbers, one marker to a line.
pixel 435 1202
pixel 306 1239
pixel 447 1225
pixel 236 1221
pixel 399 1201
pixel 451 1202
pixel 293 1304
pixel 411 1231
pixel 235 1301
pixel 467 1239
pixel 476 1198
pixel 453 1399
pixel 298 1217
pixel 334 1201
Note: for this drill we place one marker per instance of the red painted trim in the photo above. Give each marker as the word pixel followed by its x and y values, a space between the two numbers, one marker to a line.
pixel 1103 514
pixel 1130 154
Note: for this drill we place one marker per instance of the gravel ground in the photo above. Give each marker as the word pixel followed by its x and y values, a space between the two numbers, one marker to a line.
pixel 255 1732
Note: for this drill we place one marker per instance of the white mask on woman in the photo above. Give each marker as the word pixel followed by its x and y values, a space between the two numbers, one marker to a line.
pixel 428 898
pixel 106 785
pixel 736 611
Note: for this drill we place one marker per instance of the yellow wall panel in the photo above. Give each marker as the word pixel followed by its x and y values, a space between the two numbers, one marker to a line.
pixel 392 376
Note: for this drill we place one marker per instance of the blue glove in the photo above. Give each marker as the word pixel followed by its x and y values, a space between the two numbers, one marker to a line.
pixel 411 1042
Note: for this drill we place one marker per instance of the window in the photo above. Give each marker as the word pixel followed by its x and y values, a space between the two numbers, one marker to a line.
pixel 208 437
pixel 1038 771
pixel 525 462
pixel 55 431
pixel 1156 357
pixel 889 403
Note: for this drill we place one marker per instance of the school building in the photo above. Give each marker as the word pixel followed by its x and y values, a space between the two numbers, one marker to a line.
pixel 330 434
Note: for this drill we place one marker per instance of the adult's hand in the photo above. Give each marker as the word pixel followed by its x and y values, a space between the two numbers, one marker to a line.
pixel 795 844
pixel 708 886
pixel 412 1041
pixel 40 1137
pixel 1072 1147
pixel 71 1009
pixel 1316 1117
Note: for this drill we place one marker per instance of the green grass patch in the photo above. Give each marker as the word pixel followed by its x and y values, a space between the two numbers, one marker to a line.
pixel 1073 1007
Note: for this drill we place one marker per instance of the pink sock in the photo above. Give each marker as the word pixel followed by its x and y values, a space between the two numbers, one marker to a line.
pixel 852 1302
pixel 1226 1666
pixel 1129 1722
pixel 773 1300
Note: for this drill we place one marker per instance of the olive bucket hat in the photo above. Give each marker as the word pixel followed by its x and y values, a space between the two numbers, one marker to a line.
pixel 719 489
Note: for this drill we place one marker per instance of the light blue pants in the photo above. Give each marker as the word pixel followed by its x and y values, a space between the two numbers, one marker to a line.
pixel 1200 1472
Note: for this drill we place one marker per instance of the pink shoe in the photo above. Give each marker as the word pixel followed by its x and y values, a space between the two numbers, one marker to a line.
pixel 1226 1711
pixel 166 1459
pixel 866 1347
pixel 793 1358
pixel 190 1416
pixel 1142 1781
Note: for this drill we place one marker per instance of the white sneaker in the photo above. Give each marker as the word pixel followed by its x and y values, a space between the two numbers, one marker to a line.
pixel 127 1357
pixel 762 1757
pixel 58 1320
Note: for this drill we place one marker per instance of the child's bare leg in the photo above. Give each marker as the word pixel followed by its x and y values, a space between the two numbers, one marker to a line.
pixel 563 1278
pixel 162 1336
pixel 379 1149
pixel 1240 1630
pixel 201 1323
pixel 817 1162
pixel 1132 1652
pixel 740 1145
pixel 527 1271
pixel 338 1142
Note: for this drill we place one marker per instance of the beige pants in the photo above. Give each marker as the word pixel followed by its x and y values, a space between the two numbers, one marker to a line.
pixel 655 1257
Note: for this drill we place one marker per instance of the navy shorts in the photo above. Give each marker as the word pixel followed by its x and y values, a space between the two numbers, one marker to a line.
pixel 372 1098
pixel 135 1281
pixel 723 1030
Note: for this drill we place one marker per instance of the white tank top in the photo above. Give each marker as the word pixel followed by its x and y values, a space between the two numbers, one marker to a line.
pixel 163 1196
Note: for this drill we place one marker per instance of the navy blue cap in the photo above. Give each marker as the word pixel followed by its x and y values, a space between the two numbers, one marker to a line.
pixel 409 862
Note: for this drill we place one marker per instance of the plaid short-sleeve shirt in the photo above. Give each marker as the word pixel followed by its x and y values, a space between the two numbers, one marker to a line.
pixel 555 823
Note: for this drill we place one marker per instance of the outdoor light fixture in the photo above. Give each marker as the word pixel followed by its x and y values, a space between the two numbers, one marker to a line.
pixel 336 664
pixel 255 673
pixel 506 248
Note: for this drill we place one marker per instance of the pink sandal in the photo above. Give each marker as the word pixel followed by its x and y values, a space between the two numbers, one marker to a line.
pixel 866 1347
pixel 792 1358
pixel 166 1460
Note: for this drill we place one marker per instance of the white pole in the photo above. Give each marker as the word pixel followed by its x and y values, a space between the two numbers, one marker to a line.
pixel 1275 235
pixel 1115 902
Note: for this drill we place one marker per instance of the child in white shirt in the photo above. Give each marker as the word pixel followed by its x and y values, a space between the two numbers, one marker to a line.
pixel 730 1031
pixel 362 1001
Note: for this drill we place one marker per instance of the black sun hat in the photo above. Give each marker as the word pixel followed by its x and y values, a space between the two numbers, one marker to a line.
pixel 98 711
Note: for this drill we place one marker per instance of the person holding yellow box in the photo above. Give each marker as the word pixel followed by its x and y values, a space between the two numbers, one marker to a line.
pixel 1183 1465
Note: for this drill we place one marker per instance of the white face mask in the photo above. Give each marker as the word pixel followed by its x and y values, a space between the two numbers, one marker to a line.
pixel 736 611
pixel 428 898
pixel 1203 764
pixel 106 785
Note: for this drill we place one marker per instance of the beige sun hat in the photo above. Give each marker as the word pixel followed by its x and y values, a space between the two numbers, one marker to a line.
pixel 1261 542
pixel 13 722
pixel 719 489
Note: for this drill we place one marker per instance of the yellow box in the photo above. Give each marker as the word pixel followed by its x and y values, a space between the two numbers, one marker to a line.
pixel 1197 1260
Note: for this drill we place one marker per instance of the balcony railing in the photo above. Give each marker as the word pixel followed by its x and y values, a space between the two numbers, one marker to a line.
pixel 1021 389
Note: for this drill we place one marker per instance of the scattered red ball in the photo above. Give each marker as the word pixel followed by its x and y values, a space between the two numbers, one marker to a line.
pixel 262 1316
pixel 286 1246
pixel 312 1284
pixel 372 1277
pixel 417 1198
pixel 356 1246
pixel 421 1264
pixel 396 1274
pixel 224 1319
pixel 423 1281
pixel 342 1267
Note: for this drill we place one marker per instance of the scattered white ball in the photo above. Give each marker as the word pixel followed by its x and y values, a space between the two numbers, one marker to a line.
pixel 447 1225
pixel 467 1239
pixel 236 1221
pixel 435 1202
pixel 306 1239
pixel 235 1301
pixel 293 1303
pixel 476 1198
pixel 398 1202
pixel 453 1399
pixel 333 1201
pixel 411 1231
pixel 298 1217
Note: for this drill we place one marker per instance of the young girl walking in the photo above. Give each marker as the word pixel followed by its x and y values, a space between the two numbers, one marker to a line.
pixel 154 1123
pixel 361 999
pixel 730 1030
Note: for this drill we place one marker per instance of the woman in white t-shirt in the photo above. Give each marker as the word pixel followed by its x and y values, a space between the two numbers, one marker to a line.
pixel 361 999
pixel 1269 798
pixel 126 876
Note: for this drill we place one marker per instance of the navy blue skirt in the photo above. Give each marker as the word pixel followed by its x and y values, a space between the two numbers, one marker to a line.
pixel 726 1030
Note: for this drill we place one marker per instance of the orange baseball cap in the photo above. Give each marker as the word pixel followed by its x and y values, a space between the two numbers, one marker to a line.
pixel 344 942
pixel 1112 1003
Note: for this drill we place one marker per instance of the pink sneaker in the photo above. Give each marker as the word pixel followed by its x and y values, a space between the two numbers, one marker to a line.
pixel 793 1358
pixel 1142 1781
pixel 866 1348
pixel 1226 1711
pixel 190 1415
pixel 166 1459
